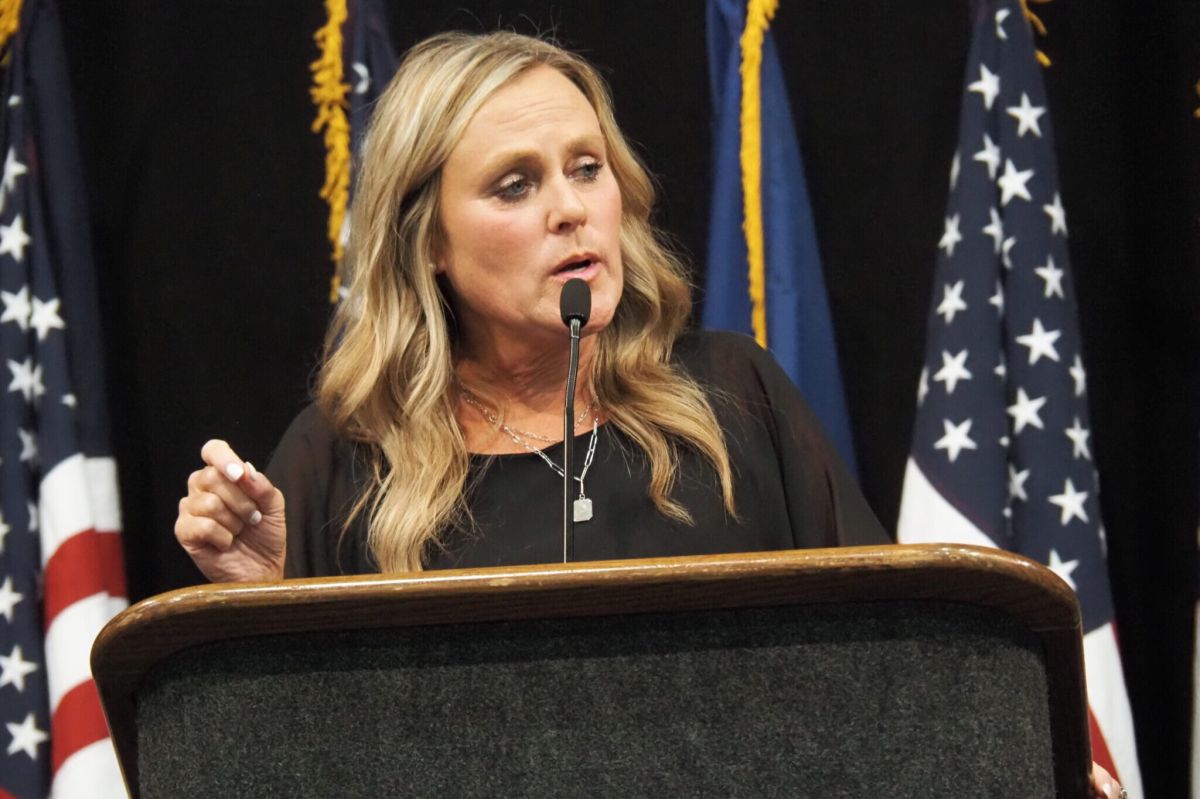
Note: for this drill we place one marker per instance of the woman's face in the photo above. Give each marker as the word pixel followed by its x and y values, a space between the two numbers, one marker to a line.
pixel 528 201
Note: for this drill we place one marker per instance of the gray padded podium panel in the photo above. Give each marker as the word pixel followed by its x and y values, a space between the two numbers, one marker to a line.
pixel 822 701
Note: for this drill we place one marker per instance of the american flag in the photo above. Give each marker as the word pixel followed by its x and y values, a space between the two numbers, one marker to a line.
pixel 61 573
pixel 1002 453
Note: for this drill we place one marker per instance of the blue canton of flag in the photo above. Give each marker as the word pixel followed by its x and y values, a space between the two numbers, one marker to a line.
pixel 61 573
pixel 1001 451
pixel 799 331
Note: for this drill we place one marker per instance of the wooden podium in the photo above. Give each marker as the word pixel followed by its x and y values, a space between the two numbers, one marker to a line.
pixel 933 671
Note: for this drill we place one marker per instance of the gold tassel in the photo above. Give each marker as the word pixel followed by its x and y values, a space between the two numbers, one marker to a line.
pixel 758 18
pixel 10 19
pixel 1038 26
pixel 328 93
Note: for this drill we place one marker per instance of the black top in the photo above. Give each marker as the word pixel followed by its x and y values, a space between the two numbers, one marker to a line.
pixel 790 488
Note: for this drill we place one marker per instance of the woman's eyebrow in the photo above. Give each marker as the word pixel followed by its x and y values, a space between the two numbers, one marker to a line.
pixel 523 156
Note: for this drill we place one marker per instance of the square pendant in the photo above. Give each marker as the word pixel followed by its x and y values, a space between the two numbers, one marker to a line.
pixel 583 509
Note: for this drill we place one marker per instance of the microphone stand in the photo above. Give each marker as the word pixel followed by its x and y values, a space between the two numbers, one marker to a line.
pixel 574 305
pixel 569 446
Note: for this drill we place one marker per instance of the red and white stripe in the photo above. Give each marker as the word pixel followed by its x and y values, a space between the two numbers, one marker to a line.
pixel 84 576
pixel 927 518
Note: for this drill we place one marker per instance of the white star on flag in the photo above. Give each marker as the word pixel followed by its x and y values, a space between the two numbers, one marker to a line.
pixel 956 439
pixel 1079 376
pixel 1012 183
pixel 1025 412
pixel 8 599
pixel 1006 251
pixel 29 448
pixel 953 369
pixel 1071 503
pixel 1016 483
pixel 988 86
pixel 990 155
pixel 45 318
pixel 950 236
pixel 25 737
pixel 5 529
pixel 952 301
pixel 1058 216
pixel 14 668
pixel 1001 15
pixel 364 77
pixel 27 379
pixel 16 307
pixel 995 228
pixel 1026 116
pixel 997 299
pixel 1063 569
pixel 1053 276
pixel 1040 342
pixel 1079 440
pixel 13 169
pixel 13 239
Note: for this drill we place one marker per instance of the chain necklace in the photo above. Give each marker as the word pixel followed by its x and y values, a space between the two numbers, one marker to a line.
pixel 582 507
pixel 494 420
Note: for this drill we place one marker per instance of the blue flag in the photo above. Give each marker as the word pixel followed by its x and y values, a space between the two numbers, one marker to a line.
pixel 1001 452
pixel 368 51
pixel 798 328
pixel 371 63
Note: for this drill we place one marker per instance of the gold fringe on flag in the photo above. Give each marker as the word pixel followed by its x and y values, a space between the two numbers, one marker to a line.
pixel 328 93
pixel 1038 26
pixel 759 14
pixel 10 19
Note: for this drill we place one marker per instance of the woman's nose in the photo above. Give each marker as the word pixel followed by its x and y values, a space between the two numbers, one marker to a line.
pixel 567 209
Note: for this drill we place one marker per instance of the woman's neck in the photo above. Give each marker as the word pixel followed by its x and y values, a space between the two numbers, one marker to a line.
pixel 524 390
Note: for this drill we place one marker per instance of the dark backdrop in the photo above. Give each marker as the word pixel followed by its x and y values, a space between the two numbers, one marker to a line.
pixel 203 177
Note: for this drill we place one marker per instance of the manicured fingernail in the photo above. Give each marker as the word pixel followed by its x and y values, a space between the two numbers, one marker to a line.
pixel 255 517
pixel 234 471
pixel 1108 789
pixel 250 468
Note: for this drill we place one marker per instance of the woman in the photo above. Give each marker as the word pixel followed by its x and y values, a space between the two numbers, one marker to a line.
pixel 494 172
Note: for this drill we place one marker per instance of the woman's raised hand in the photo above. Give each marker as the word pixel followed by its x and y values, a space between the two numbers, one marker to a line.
pixel 231 522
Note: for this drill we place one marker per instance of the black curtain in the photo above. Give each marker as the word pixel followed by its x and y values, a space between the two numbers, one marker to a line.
pixel 203 175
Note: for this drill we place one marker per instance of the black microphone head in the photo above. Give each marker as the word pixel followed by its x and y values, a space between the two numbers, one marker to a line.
pixel 575 302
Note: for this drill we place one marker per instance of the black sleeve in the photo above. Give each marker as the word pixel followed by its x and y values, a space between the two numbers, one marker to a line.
pixel 315 470
pixel 825 506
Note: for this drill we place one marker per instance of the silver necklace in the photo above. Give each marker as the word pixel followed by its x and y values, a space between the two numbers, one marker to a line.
pixel 494 419
pixel 581 509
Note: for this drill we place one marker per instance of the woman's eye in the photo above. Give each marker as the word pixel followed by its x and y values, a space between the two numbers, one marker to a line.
pixel 513 188
pixel 589 171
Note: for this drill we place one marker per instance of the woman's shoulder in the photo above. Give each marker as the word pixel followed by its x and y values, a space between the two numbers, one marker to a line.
pixel 734 361
pixel 310 423
pixel 311 435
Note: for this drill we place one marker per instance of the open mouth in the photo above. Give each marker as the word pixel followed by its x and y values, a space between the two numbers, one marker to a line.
pixel 575 266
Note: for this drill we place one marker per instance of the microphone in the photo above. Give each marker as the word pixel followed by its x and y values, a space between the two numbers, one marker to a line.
pixel 575 306
pixel 575 302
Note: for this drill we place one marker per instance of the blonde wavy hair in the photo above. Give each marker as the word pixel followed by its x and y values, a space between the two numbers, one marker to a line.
pixel 387 379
